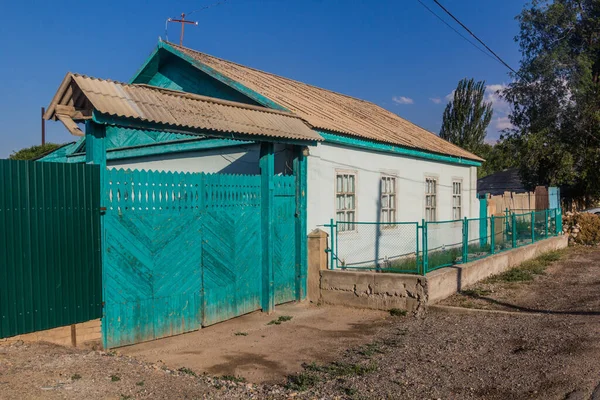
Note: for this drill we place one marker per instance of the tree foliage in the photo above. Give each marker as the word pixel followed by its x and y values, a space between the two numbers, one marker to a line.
pixel 498 157
pixel 33 152
pixel 467 116
pixel 556 95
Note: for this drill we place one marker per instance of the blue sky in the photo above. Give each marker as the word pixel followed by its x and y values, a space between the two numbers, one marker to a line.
pixel 393 53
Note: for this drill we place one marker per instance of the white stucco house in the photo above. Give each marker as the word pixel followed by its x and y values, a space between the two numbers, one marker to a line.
pixel 371 166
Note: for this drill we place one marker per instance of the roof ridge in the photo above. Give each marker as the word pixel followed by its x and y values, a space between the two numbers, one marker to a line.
pixel 271 73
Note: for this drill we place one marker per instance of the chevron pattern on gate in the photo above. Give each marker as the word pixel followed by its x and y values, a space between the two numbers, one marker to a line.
pixel 185 249
pixel 153 275
pixel 231 260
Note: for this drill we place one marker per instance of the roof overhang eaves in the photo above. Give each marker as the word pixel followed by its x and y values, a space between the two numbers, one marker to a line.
pixel 360 142
pixel 137 123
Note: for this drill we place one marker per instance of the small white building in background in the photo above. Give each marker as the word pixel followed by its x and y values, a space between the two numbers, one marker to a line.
pixel 372 165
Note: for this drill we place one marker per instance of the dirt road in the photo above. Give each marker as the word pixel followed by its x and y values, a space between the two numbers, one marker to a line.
pixel 547 347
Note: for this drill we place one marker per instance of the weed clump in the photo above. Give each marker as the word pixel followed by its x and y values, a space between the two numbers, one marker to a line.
pixel 278 321
pixel 396 312
pixel 187 371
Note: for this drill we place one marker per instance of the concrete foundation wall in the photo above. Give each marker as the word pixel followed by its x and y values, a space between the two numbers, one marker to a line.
pixel 447 281
pixel 72 335
pixel 413 293
pixel 373 290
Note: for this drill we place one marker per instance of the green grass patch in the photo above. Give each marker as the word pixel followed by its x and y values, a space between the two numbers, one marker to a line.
pixel 187 371
pixel 241 334
pixel 528 269
pixel 446 257
pixel 342 368
pixel 302 381
pixel 370 350
pixel 140 383
pixel 233 378
pixel 396 312
pixel 75 377
pixel 115 378
pixel 278 321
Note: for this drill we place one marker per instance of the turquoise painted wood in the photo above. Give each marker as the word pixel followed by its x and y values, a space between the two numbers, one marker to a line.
pixel 151 291
pixel 177 74
pixel 205 80
pixel 483 222
pixel 389 148
pixel 284 241
pixel 231 263
pixel 182 251
pixel 267 170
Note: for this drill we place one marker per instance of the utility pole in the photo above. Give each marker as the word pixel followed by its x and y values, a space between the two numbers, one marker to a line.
pixel 183 21
pixel 43 127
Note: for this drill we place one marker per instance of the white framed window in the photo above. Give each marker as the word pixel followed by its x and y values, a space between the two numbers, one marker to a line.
pixel 388 200
pixel 345 200
pixel 457 200
pixel 430 199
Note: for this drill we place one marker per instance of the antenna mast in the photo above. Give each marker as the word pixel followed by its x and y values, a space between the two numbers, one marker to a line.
pixel 183 21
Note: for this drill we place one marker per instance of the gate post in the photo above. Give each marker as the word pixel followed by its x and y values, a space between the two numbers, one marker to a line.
pixel 95 153
pixel 300 171
pixel 267 170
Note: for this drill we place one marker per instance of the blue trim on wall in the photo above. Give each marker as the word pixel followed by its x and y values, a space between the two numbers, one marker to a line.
pixel 390 148
pixel 179 146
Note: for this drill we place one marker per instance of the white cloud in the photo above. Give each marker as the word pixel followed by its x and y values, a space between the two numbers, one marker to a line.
pixel 501 123
pixel 402 100
pixel 493 94
pixel 435 100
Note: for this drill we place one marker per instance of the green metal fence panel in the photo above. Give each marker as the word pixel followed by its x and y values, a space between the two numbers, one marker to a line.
pixel 409 247
pixel 478 238
pixel 50 258
pixel 445 243
pixel 523 229
pixel 391 247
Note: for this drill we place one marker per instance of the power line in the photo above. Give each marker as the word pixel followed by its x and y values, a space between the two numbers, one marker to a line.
pixel 475 36
pixel 208 6
pixel 456 31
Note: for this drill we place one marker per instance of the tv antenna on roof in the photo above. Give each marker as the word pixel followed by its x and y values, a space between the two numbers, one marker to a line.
pixel 183 21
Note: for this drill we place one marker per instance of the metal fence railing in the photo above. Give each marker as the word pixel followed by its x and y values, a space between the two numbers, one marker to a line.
pixel 419 248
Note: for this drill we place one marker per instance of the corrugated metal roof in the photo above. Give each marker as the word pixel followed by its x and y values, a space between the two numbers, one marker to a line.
pixel 332 111
pixel 180 109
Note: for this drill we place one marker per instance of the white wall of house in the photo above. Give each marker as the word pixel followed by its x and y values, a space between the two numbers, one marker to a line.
pixel 225 160
pixel 230 160
pixel 326 160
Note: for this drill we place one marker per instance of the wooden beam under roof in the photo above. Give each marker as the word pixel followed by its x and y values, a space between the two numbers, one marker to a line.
pixel 76 114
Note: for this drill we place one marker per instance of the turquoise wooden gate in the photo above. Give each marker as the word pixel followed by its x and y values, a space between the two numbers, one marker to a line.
pixel 184 250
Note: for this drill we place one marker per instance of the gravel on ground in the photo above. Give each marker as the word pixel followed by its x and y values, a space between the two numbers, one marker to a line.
pixel 444 355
